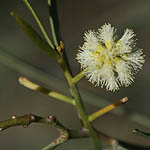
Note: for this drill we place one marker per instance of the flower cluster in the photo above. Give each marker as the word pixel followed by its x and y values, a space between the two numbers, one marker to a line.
pixel 109 62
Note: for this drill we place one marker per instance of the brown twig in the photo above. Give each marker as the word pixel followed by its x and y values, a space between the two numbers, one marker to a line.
pixel 65 133
pixel 30 118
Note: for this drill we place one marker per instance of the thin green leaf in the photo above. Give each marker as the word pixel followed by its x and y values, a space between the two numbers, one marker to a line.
pixel 34 36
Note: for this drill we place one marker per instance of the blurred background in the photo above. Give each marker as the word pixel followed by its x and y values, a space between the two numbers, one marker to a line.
pixel 75 18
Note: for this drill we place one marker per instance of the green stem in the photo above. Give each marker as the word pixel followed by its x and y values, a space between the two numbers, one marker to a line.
pixel 79 105
pixel 76 95
pixel 78 77
pixel 52 24
pixel 25 82
pixel 39 23
pixel 62 97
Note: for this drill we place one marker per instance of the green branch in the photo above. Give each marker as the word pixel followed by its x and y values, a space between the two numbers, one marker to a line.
pixel 78 77
pixel 25 82
pixel 83 116
pixel 79 105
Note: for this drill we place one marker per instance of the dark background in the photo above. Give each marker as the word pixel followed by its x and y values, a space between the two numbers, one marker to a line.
pixel 75 18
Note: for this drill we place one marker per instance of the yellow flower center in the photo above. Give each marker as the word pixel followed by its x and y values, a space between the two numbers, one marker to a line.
pixel 109 45
pixel 103 54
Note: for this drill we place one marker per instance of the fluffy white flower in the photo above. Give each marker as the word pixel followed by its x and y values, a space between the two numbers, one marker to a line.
pixel 108 62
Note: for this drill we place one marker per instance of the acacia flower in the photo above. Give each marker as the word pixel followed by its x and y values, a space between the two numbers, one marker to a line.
pixel 109 62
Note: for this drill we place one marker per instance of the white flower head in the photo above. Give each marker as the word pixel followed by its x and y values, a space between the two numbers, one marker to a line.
pixel 108 62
